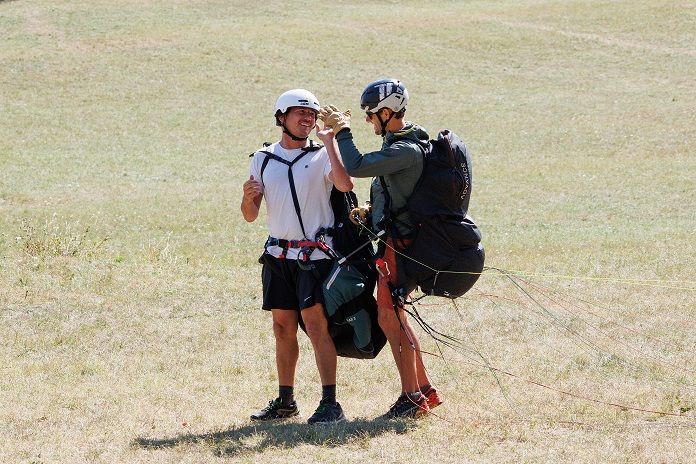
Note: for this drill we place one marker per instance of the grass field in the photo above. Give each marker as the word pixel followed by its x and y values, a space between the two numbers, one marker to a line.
pixel 129 288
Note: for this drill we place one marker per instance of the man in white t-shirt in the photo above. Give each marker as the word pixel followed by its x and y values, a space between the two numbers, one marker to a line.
pixel 296 178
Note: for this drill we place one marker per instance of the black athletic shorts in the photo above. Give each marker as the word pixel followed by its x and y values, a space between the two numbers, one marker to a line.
pixel 287 286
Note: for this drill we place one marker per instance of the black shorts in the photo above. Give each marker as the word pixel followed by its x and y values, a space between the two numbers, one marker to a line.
pixel 287 286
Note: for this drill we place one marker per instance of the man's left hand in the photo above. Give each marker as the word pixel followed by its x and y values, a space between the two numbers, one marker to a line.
pixel 334 118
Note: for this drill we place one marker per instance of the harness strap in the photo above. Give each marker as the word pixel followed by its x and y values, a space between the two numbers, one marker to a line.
pixel 281 242
pixel 305 246
pixel 397 298
pixel 312 147
pixel 390 220
pixel 391 217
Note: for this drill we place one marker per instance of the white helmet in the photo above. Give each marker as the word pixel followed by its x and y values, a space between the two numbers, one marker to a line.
pixel 295 97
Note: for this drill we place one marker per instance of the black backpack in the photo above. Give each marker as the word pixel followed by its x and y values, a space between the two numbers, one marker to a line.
pixel 445 257
pixel 353 326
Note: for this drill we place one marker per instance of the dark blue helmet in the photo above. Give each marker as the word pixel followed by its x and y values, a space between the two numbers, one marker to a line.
pixel 384 93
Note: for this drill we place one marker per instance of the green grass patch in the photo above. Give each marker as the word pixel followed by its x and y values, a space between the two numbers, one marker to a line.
pixel 129 288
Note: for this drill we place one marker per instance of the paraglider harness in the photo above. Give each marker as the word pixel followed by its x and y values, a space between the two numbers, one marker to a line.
pixel 305 245
pixel 352 309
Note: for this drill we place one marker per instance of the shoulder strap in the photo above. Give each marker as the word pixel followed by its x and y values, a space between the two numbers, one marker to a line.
pixel 392 217
pixel 312 147
pixel 390 221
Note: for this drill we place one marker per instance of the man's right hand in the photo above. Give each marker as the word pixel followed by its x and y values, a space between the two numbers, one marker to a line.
pixel 251 201
pixel 252 189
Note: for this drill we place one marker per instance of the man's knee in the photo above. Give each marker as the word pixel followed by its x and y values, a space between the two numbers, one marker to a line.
pixel 285 324
pixel 282 331
pixel 315 322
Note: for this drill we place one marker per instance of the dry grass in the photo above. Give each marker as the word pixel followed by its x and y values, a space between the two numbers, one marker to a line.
pixel 129 290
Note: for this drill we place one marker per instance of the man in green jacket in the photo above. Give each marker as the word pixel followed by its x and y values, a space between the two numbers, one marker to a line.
pixel 396 168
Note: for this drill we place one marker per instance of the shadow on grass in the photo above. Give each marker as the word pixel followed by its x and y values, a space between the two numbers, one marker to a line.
pixel 258 437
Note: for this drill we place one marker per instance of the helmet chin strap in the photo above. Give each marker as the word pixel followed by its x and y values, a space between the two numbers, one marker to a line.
pixel 293 136
pixel 384 123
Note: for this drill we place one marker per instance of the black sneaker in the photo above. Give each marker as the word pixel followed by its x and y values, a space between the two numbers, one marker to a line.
pixel 277 410
pixel 405 407
pixel 327 413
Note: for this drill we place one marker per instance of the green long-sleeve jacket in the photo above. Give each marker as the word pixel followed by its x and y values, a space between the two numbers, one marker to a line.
pixel 400 162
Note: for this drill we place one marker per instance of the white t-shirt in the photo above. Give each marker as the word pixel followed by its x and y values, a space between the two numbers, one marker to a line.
pixel 313 187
